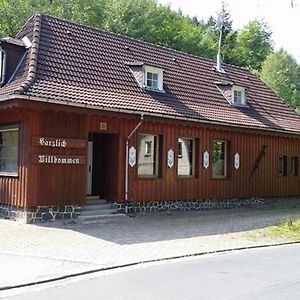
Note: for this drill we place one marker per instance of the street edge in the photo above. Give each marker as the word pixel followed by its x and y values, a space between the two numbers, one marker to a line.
pixel 72 275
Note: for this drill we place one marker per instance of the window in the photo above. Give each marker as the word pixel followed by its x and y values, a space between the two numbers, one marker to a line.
pixel 219 162
pixel 294 166
pixel 180 149
pixel 148 148
pixel 238 95
pixel 2 54
pixel 153 78
pixel 282 165
pixel 147 155
pixel 185 161
pixel 9 150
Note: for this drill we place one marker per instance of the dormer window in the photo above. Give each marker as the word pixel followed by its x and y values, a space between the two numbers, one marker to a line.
pixel 153 78
pixel 2 65
pixel 238 95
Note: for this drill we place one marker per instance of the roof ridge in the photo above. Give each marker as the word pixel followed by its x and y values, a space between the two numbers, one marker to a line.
pixel 33 55
pixel 76 23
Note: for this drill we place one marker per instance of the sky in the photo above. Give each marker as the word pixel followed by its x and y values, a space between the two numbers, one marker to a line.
pixel 282 17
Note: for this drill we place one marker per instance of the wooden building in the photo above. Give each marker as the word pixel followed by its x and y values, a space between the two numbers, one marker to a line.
pixel 78 103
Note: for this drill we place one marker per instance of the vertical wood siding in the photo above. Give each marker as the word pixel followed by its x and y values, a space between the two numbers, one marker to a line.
pixel 66 184
pixel 13 190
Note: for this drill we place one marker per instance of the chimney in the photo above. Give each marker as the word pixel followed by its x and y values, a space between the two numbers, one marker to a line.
pixel 220 24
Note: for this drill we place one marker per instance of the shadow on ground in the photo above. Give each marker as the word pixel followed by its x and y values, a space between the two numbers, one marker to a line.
pixel 164 226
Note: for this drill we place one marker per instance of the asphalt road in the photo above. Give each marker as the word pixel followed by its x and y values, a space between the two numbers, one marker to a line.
pixel 265 273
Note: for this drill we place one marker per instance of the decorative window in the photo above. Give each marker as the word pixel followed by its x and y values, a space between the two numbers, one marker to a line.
pixel 219 161
pixel 294 166
pixel 185 161
pixel 153 78
pixel 9 144
pixel 147 155
pixel 282 165
pixel 238 95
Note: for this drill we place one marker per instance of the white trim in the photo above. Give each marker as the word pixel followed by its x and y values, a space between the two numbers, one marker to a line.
pixel 243 95
pixel 153 70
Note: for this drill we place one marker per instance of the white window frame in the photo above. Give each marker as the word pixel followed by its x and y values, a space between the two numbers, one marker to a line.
pixel 142 154
pixel 242 90
pixel 159 73
pixel 10 129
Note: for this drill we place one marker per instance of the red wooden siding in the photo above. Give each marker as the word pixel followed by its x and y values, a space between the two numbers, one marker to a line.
pixel 57 184
pixel 44 184
pixel 13 190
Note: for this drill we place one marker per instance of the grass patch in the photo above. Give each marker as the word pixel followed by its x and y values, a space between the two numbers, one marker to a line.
pixel 285 231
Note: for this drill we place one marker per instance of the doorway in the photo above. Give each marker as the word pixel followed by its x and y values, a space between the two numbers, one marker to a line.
pixel 102 165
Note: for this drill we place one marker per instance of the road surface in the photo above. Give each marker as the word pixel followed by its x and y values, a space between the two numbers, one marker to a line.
pixel 265 273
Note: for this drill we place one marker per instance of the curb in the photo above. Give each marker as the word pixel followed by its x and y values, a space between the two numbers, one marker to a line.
pixel 72 275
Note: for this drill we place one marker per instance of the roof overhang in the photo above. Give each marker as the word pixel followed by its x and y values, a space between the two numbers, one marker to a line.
pixel 144 113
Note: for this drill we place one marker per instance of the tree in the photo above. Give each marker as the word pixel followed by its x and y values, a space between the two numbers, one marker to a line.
pixel 281 73
pixel 253 45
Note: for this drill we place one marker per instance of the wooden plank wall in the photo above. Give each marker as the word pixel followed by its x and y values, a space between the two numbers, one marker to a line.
pixel 240 183
pixel 52 184
pixel 39 184
pixel 248 143
pixel 13 190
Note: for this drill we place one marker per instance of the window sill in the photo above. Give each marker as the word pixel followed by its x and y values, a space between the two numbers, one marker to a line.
pixel 186 176
pixel 148 177
pixel 219 177
pixel 4 174
pixel 149 89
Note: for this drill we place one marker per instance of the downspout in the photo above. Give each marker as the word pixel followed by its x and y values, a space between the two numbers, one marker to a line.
pixel 3 65
pixel 126 162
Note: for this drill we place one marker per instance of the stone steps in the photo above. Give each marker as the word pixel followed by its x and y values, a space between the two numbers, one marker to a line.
pixel 97 209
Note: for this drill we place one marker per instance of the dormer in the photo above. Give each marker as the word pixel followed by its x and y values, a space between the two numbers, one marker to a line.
pixel 238 96
pixel 235 94
pixel 148 77
pixel 12 52
pixel 153 78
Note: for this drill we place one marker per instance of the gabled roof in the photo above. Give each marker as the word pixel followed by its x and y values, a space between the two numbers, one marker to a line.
pixel 73 64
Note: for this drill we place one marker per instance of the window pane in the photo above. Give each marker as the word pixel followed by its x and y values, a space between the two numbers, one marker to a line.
pixel 218 160
pixel 282 165
pixel 8 151
pixel 147 154
pixel 152 80
pixel 294 165
pixel 185 157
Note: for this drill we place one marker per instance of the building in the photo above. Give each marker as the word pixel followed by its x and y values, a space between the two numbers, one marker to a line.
pixel 77 103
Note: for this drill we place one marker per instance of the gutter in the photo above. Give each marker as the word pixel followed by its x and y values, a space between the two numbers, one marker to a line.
pixel 126 161
pixel 137 112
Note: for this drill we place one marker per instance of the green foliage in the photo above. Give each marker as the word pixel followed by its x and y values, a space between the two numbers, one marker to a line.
pixel 148 21
pixel 253 45
pixel 281 73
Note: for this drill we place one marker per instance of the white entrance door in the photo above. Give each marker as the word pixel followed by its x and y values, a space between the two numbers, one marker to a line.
pixel 89 168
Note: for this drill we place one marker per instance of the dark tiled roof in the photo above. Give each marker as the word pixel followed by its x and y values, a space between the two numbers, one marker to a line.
pixel 82 65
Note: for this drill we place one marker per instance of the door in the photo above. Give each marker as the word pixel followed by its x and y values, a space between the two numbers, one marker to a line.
pixel 90 168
